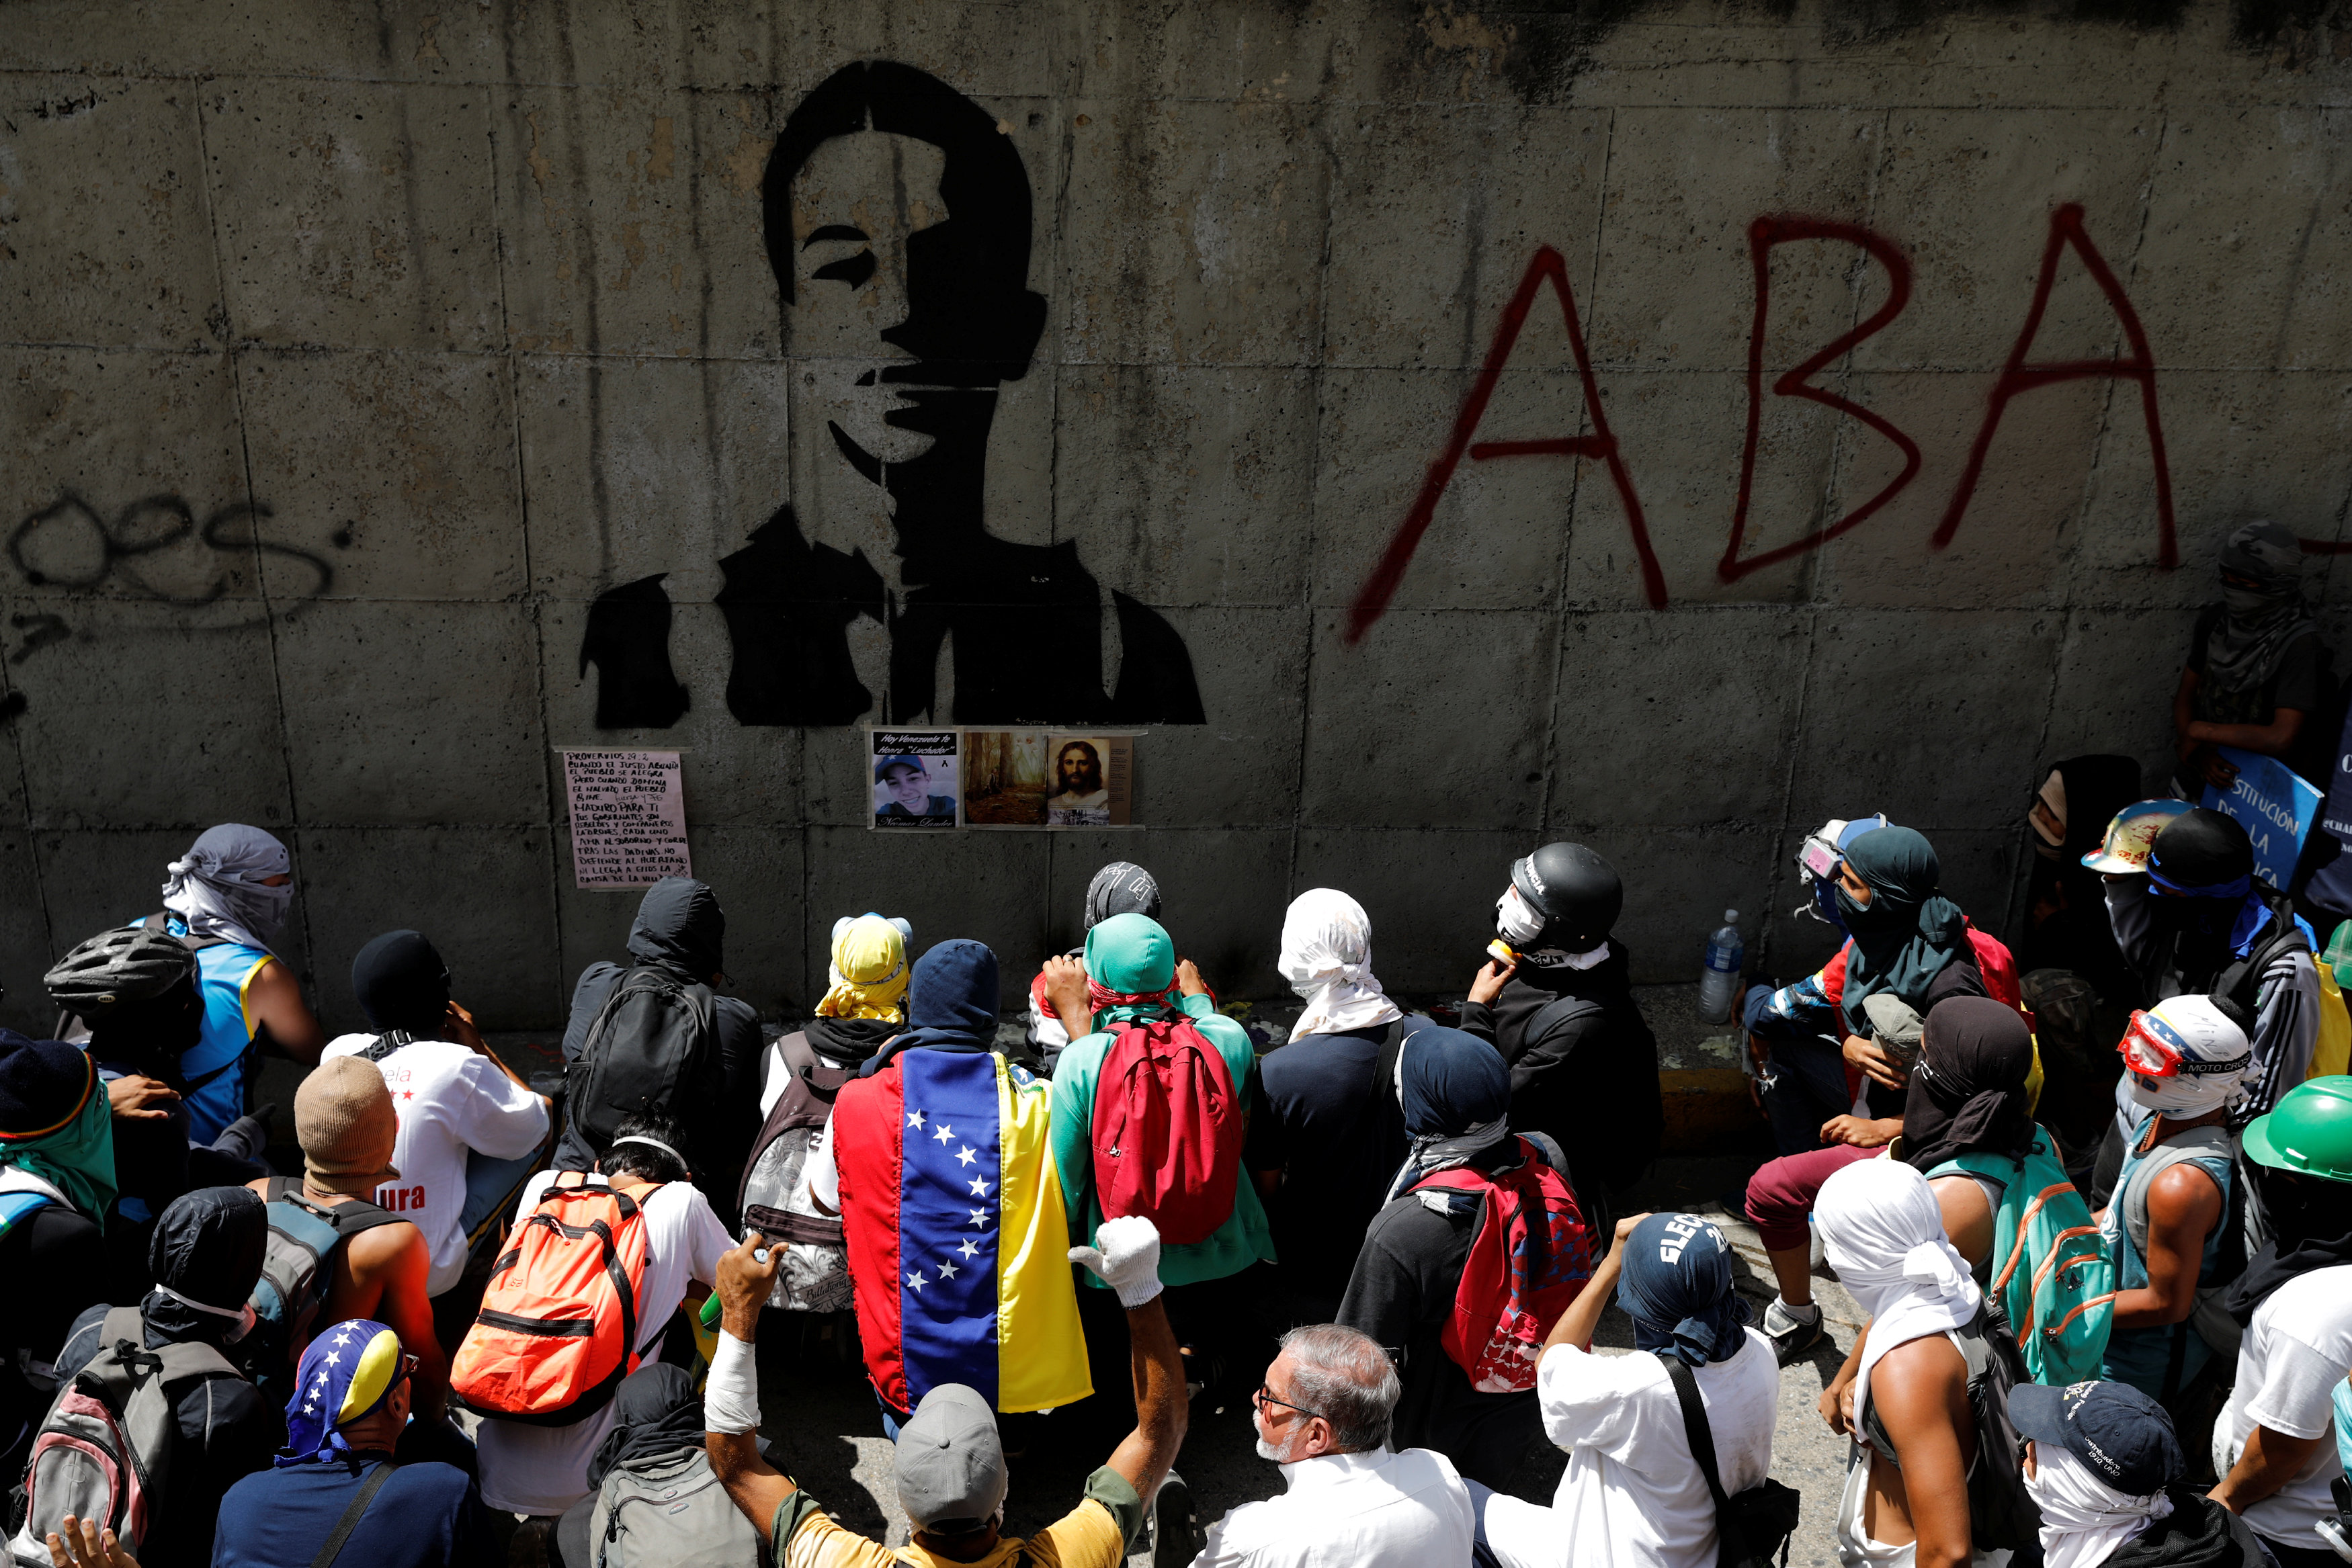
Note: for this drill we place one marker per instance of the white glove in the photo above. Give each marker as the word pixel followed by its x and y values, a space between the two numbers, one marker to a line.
pixel 1127 1258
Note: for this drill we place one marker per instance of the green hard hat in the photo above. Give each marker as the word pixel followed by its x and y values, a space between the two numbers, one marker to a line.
pixel 2310 1131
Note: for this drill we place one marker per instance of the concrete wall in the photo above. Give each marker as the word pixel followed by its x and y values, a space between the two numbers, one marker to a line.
pixel 351 352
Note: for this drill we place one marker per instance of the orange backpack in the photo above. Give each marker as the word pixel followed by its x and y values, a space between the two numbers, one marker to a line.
pixel 558 1328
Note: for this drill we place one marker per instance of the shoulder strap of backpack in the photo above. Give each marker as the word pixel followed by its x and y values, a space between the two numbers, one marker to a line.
pixel 1696 1429
pixel 122 1324
pixel 349 1218
pixel 384 1044
pixel 1553 1014
pixel 2198 1142
pixel 350 1519
pixel 194 942
pixel 799 1059
pixel 2246 973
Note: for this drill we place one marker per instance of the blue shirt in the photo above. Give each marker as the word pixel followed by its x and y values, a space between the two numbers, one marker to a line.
pixel 225 972
pixel 424 1516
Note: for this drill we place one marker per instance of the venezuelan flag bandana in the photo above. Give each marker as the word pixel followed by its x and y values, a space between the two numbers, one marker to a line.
pixel 349 1370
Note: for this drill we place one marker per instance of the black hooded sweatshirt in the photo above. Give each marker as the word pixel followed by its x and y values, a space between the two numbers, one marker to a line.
pixel 206 1245
pixel 681 930
pixel 1589 1080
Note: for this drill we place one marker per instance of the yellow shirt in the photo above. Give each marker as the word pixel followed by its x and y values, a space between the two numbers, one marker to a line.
pixel 1095 1534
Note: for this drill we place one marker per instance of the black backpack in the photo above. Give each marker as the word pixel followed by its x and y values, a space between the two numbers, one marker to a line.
pixel 1750 1528
pixel 651 1051
pixel 2001 1513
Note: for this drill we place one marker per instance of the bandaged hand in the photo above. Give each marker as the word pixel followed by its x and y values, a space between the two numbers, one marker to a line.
pixel 1125 1256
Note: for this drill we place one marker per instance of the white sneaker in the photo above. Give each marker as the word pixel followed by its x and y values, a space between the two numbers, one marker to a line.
pixel 1793 1331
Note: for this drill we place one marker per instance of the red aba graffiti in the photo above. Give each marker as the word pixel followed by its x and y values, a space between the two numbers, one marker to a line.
pixel 1762 235
pixel 1372 599
pixel 2019 375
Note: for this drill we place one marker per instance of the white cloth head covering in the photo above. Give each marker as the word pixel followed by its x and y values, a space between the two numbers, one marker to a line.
pixel 1883 1233
pixel 2212 1040
pixel 216 886
pixel 2083 1518
pixel 1326 956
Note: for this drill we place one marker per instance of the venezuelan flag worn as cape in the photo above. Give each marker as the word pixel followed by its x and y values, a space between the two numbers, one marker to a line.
pixel 958 1247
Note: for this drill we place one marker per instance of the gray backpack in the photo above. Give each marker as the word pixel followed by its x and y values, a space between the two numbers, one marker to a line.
pixel 104 1451
pixel 668 1511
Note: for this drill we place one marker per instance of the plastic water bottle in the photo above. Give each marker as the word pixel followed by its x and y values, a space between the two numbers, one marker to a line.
pixel 1718 982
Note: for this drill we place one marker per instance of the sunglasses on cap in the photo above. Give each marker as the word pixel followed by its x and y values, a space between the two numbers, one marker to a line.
pixel 2154 1049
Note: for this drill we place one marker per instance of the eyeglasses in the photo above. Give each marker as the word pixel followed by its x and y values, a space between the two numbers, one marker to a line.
pixel 2154 1049
pixel 1265 1397
pixel 408 1366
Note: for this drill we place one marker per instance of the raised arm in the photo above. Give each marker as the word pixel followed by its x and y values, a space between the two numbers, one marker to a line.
pixel 1583 1315
pixel 731 1397
pixel 1127 1260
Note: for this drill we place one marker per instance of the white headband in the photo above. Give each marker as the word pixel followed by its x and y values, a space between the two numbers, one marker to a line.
pixel 656 1143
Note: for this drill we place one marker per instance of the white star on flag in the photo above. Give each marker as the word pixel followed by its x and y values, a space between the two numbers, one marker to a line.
pixel 944 1134
pixel 970 1250
pixel 947 1271
pixel 914 1118
pixel 980 1216
pixel 979 1187
pixel 917 1280
pixel 344 1337
pixel 333 1356
pixel 964 1154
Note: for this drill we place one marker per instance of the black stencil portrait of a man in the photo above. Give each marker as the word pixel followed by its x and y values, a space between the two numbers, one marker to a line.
pixel 897 221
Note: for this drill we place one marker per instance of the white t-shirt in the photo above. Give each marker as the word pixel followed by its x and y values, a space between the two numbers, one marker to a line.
pixel 544 1469
pixel 449 1100
pixel 1632 1496
pixel 1351 1511
pixel 2296 1350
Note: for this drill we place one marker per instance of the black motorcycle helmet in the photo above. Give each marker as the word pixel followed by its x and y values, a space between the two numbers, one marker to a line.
pixel 1575 891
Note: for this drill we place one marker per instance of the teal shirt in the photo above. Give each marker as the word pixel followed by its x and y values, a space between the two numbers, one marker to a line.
pixel 2141 1356
pixel 1242 1240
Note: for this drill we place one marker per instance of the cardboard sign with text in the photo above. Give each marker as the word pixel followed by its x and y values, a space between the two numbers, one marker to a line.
pixel 2276 806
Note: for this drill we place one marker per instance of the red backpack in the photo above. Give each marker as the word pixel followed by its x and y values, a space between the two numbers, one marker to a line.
pixel 558 1328
pixel 1527 1261
pixel 1166 1129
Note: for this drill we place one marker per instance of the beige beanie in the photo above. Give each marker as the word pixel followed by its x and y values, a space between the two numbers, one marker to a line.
pixel 344 1120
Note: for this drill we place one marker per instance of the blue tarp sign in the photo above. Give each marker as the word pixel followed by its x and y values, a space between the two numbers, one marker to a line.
pixel 2275 806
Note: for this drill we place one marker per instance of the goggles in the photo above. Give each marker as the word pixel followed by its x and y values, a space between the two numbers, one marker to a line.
pixel 2154 1049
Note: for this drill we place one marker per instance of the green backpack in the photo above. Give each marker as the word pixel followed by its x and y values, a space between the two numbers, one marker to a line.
pixel 2051 1272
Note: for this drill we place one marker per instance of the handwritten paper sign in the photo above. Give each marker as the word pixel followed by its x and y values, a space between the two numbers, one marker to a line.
pixel 2275 806
pixel 628 818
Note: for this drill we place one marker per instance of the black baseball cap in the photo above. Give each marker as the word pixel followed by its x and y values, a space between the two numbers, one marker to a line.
pixel 2122 1435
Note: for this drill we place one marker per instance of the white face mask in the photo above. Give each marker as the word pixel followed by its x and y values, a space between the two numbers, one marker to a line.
pixel 1515 922
pixel 2185 1094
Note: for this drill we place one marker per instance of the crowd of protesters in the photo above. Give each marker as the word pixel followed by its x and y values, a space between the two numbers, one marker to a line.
pixel 2098 1212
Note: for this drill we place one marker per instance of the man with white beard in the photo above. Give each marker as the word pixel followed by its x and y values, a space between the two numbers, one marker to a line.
pixel 1322 1414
